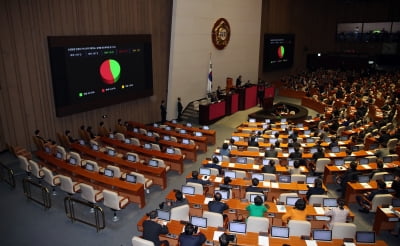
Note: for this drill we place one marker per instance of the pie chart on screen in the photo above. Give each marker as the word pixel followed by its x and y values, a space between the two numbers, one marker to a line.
pixel 110 71
pixel 281 51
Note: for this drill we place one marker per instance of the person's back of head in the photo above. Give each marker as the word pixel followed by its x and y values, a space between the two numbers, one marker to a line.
pixel 225 146
pixel 227 180
pixel 195 174
pixel 217 197
pixel 224 239
pixel 37 132
pixel 215 160
pixel 67 132
pixel 231 141
pixel 189 229
pixel 340 203
pixel 294 140
pixel 300 204
pixel 320 149
pixel 296 149
pixel 296 164
pixel 381 184
pixel 272 163
pixel 258 201
pixel 179 195
pixel 318 183
pixel 153 214
pixel 379 163
pixel 353 166
pixel 255 182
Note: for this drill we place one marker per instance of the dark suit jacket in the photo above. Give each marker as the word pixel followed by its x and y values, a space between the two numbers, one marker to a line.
pixel 314 191
pixel 151 231
pixel 217 207
pixel 268 169
pixel 199 181
pixel 254 189
pixel 191 240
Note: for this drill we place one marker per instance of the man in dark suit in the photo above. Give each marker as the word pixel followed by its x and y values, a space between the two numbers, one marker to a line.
pixel 254 186
pixel 365 200
pixel 269 168
pixel 214 164
pixel 252 141
pixel 180 200
pixel 217 206
pixel 271 152
pixel 190 238
pixel 195 179
pixel 152 229
pixel 296 154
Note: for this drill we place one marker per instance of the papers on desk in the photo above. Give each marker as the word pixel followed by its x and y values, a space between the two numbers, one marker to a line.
pixel 285 154
pixel 231 165
pixel 275 185
pixel 217 151
pixel 217 234
pixel 366 185
pixel 263 240
pixel 281 208
pixel 370 152
pixel 387 210
pixel 267 184
pixel 256 167
pixel 208 199
pixel 311 243
pixel 319 210
pixel 366 166
pixel 332 154
pixel 261 154
pixel 341 143
pixel 218 179
pixel 349 244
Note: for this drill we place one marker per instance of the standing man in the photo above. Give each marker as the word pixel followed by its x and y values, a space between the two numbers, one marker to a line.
pixel 239 81
pixel 180 108
pixel 260 92
pixel 163 109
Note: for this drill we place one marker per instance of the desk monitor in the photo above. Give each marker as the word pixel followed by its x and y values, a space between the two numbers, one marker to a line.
pixel 111 135
pixel 130 178
pixel 131 158
pixel 307 132
pixel 322 235
pixel 236 138
pixel 89 167
pixel 72 161
pixel 396 202
pixel 267 121
pixel 174 121
pixel 156 125
pixel 283 120
pixel 198 221
pixel 311 179
pixel 170 150
pixel 273 140
pixel 189 124
pixel 339 162
pixel 231 174
pixel 284 126
pixel 290 140
pixel 147 146
pixel 266 162
pixel 344 138
pixel 167 138
pixel 335 149
pixel 81 142
pixel 153 163
pixel 108 172
pixel 206 128
pixel 168 128
pixel 291 200
pixel 188 190
pixel 365 237
pixel 163 215
pixel 237 227
pixel 387 159
pixel 364 161
pixel 251 120
pixel 182 131
pixel 149 134
pixel 313 150
pixel 127 141
pixel 95 147
pixel 284 179
pixel 329 202
pixel 373 146
pixel 300 125
pixel 218 156
pixel 110 152
pixel 224 194
pixel 291 162
pixel 258 176
pixel 363 178
pixel 327 139
pixel 59 155
pixel 185 141
pixel 280 231
pixel 355 148
pixel 204 171
pixel 241 160
pixel 264 126
pixel 135 130
pixel 290 150
pixel 388 177
pixel 253 196
pixel 198 134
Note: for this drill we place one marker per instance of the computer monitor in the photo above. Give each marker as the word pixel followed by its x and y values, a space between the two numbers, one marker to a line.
pixel 198 221
pixel 339 162
pixel 167 138
pixel 258 176
pixel 182 131
pixel 329 202
pixel 163 215
pixel 290 150
pixel 280 231
pixel 365 237
pixel 327 139
pixel 89 167
pixel 153 163
pixel 373 146
pixel 313 150
pixel 231 174
pixel 284 126
pixel 135 130
pixel 127 141
pixel 335 149
pixel 251 120
pixel 387 159
pixel 149 134
pixel 307 132
pixel 364 161
pixel 266 162
pixel 95 147
pixel 81 142
pixel 268 121
pixel 170 150
pixel 241 160
pixel 388 177
pixel 111 152
pixel 291 201
pixel 188 190
pixel 224 194
pixel 59 155
pixel 204 171
pixel 355 148
pixel 198 134
pixel 236 138
pixel 237 227
pixel 131 157
pixel 189 124
pixel 363 178
pixel 283 120
pixel 344 138
pixel 185 141
pixel 218 156
pixel 322 235
pixel 72 161
pixel 284 179
pixel 156 125
pixel 311 179
pixel 310 140
pixel 168 128
pixel 147 146
pixel 130 178
pixel 272 140
pixel 291 162
pixel 174 121
pixel 108 172
pixel 206 128
pixel 253 196
pixel 300 125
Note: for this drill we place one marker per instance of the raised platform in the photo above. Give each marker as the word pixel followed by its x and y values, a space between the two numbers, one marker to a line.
pixel 275 113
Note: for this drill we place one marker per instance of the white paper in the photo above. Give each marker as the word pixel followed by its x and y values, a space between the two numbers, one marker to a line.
pixel 285 154
pixel 218 179
pixel 311 243
pixel 275 185
pixel 319 210
pixel 349 244
pixel 231 165
pixel 261 154
pixel 366 185
pixel 332 154
pixel 217 151
pixel 370 152
pixel 281 208
pixel 256 167
pixel 366 166
pixel 217 234
pixel 266 184
pixel 207 199
pixel 263 240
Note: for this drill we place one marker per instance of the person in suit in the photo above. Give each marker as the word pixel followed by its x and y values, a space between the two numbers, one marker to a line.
pixel 180 200
pixel 152 229
pixel 225 149
pixel 254 186
pixel 350 175
pixel 239 81
pixel 163 109
pixel 252 141
pixel 180 108
pixel 214 164
pixel 296 154
pixel 319 154
pixel 316 190
pixel 271 152
pixel 269 168
pixel 226 185
pixel 190 237
pixel 365 199
pixel 294 144
pixel 396 184
pixel 69 137
pixel 217 206
pixel 195 179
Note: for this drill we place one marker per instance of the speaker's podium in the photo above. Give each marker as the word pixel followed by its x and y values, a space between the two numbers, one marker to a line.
pixel 269 94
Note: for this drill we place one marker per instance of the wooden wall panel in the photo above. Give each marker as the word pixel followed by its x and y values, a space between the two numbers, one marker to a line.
pixel 26 95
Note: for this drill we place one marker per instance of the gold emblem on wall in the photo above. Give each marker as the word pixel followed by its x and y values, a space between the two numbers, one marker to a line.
pixel 221 33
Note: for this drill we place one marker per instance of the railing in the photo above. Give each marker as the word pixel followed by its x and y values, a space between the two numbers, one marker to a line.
pixel 71 203
pixel 7 175
pixel 37 192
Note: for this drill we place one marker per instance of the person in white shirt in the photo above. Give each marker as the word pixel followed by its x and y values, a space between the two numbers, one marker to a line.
pixel 338 214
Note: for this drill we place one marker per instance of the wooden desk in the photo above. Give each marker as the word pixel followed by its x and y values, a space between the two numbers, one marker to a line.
pixel 385 219
pixel 210 134
pixel 135 192
pixel 175 161
pixel 190 150
pixel 157 174
pixel 355 189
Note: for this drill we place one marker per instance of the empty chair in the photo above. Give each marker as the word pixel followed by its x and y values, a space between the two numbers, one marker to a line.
pixel 257 224
pixel 214 219
pixel 36 170
pixel 253 149
pixel 51 179
pixel 249 193
pixel 343 230
pixel 198 188
pixel 391 144
pixel 178 151
pixel 68 185
pixel 298 178
pixel 180 213
pixel 61 153
pixel 115 202
pixel 138 241
pixel 135 141
pixel 120 136
pixel 76 157
pixel 320 164
pixel 269 176
pixel 250 160
pixel 155 147
pixel 283 196
pixel 240 174
pixel 379 200
pixel 161 163
pixel 91 195
pixel 24 164
pixel 140 178
pixel 134 156
pixel 116 170
pixel 299 228
pixel 142 131
pixel 276 160
pixel 93 163
pixel 317 199
pixel 174 139
pixel 378 175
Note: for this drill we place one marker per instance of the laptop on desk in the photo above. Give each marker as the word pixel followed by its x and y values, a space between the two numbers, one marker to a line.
pixel 365 237
pixel 237 227
pixel 280 232
pixel 322 235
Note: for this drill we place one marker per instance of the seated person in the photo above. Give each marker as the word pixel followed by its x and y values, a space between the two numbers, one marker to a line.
pixel 190 237
pixel 225 149
pixel 225 238
pixel 296 213
pixel 379 168
pixel 226 185
pixel 180 200
pixel 382 151
pixel 269 168
pixel 195 179
pixel 396 184
pixel 333 143
pixel 316 190
pixel 296 154
pixel 69 137
pixel 152 229
pixel 319 154
pixel 351 174
pixel 252 141
pixel 337 214
pixel 294 144
pixel 254 186
pixel 271 152
pixel 258 208
pixel 365 200
pixel 296 168
pixel 217 206
pixel 214 164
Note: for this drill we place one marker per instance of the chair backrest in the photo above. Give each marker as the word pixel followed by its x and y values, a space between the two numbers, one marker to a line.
pixel 142 131
pixel 35 169
pixel 116 170
pixel 180 213
pixel 76 156
pixel 249 193
pixel 49 177
pixel 140 178
pixel 138 241
pixel 299 228
pixel 95 165
pixel 253 149
pixel 88 193
pixel 161 162
pixel 320 164
pixel 24 164
pixel 282 196
pixel 226 158
pixel 276 160
pixel 174 139
pixel 198 188
pixel 214 219
pixel 61 150
pixel 214 171
pixel 379 200
pixel 298 178
pixel 135 155
pixel 250 160
pixel 257 224
pixel 317 199
pixel 135 141
pixel 343 230
pixel 378 175
pixel 67 184
pixel 120 136
pixel 240 174
pixel 111 199
pixel 177 151
pixel 269 176
pixel 155 147
pixel 391 144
